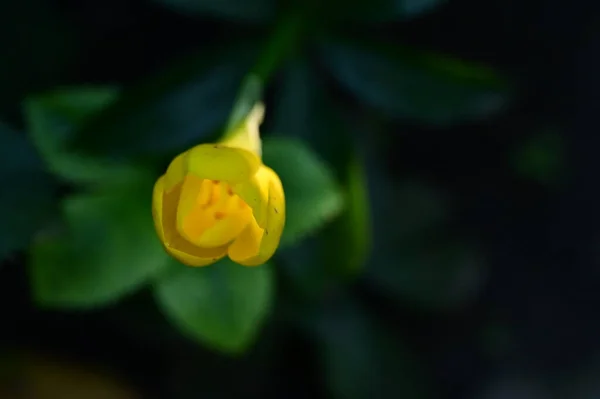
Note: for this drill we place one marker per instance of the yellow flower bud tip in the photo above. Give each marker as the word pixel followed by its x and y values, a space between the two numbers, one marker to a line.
pixel 219 199
pixel 247 134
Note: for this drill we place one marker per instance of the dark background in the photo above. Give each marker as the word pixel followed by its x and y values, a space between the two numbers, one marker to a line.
pixel 517 318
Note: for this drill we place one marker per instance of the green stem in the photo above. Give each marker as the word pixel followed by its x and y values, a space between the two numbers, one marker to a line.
pixel 281 43
pixel 279 46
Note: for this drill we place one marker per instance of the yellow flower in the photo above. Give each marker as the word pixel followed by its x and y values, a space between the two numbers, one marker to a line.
pixel 220 199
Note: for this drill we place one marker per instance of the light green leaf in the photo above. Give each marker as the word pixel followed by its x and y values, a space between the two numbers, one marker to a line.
pixel 107 249
pixel 27 197
pixel 222 305
pixel 416 86
pixel 243 10
pixel 52 120
pixel 313 197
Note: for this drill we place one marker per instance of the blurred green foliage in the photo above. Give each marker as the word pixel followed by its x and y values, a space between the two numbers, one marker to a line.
pixel 78 161
pixel 222 306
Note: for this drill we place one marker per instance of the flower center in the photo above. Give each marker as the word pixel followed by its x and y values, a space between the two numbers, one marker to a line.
pixel 217 217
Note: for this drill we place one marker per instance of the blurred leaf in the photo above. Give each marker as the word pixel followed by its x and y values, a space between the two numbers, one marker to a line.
pixel 422 87
pixel 27 197
pixel 377 11
pixel 516 386
pixel 407 209
pixel 108 250
pixel 243 10
pixel 313 197
pixel 415 7
pixel 541 158
pixel 429 276
pixel 304 109
pixel 36 47
pixel 222 306
pixel 306 274
pixel 183 106
pixel 415 259
pixel 348 242
pixel 361 359
pixel 52 119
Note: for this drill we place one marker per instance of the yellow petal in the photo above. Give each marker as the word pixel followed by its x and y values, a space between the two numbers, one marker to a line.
pixel 191 260
pixel 173 242
pixel 247 135
pixel 255 193
pixel 157 201
pixel 269 240
pixel 192 218
pixel 226 230
pixel 213 162
pixel 247 244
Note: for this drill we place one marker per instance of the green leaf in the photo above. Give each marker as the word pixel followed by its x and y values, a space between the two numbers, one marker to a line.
pixel 107 249
pixel 415 259
pixel 242 10
pixel 541 158
pixel 185 105
pixel 53 118
pixel 348 241
pixel 361 359
pixel 411 8
pixel 442 276
pixel 304 110
pixel 222 305
pixel 27 194
pixel 416 86
pixel 313 197
pixel 377 11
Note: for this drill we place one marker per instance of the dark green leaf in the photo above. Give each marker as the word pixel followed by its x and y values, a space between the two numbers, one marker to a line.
pixel 541 158
pixel 308 276
pixel 410 8
pixel 222 305
pixel 348 243
pixel 52 119
pixel 415 260
pixel 361 359
pixel 107 249
pixel 27 195
pixel 36 48
pixel 313 197
pixel 377 11
pixel 303 109
pixel 430 276
pixel 243 10
pixel 421 87
pixel 183 106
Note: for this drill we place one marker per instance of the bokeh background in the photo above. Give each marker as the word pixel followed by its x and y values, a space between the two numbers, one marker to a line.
pixel 440 163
